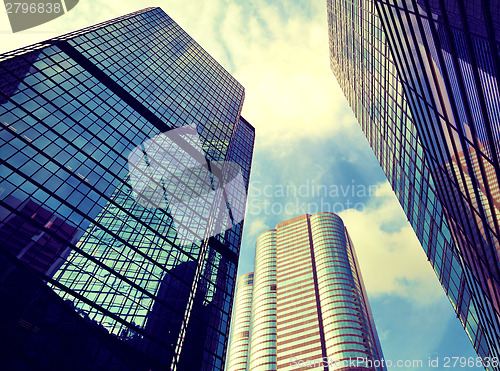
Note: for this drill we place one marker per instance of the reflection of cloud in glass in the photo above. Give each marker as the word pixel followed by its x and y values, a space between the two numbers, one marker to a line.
pixel 172 166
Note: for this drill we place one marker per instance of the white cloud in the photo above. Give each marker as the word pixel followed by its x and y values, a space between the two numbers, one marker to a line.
pixel 291 92
pixel 391 258
pixel 283 63
pixel 256 227
pixel 280 55
pixel 278 52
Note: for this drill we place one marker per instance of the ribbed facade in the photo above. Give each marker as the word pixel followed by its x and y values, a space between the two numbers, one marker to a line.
pixel 423 78
pixel 262 343
pixel 349 329
pixel 238 350
pixel 298 316
pixel 309 305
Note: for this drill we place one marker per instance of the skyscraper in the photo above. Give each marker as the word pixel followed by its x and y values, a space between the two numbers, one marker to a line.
pixel 422 78
pixel 305 306
pixel 237 353
pixel 125 153
pixel 34 246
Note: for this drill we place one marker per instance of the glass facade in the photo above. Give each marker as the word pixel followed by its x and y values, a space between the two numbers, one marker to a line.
pixel 73 109
pixel 422 79
pixel 309 308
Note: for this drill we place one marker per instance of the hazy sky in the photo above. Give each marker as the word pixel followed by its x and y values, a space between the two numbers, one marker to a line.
pixel 310 154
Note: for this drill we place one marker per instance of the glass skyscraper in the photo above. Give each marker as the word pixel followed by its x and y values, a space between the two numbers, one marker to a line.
pixel 124 169
pixel 422 78
pixel 305 306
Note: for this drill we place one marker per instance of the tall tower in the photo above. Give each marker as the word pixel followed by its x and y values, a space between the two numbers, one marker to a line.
pixel 237 353
pixel 124 152
pixel 423 78
pixel 305 306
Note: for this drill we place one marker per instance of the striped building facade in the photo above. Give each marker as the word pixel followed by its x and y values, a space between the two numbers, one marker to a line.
pixel 309 308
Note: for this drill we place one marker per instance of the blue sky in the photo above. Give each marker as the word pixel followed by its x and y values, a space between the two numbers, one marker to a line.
pixel 307 139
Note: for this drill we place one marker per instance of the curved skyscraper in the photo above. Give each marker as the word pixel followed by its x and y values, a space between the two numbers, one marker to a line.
pixel 238 348
pixel 309 308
